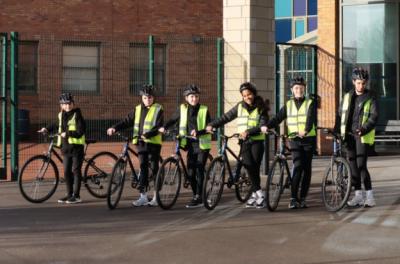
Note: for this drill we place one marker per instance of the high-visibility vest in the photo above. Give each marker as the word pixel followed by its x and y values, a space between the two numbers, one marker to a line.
pixel 297 119
pixel 204 140
pixel 246 120
pixel 149 122
pixel 71 126
pixel 368 138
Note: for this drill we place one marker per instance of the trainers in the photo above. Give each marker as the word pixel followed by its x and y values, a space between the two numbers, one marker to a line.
pixel 195 202
pixel 74 200
pixel 357 200
pixel 64 199
pixel 141 201
pixel 370 200
pixel 260 201
pixel 153 202
pixel 251 202
pixel 293 203
pixel 303 203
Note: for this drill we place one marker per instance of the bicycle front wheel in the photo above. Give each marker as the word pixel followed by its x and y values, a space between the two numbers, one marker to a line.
pixel 168 183
pixel 97 173
pixel 214 183
pixel 336 185
pixel 242 184
pixel 275 184
pixel 116 184
pixel 38 179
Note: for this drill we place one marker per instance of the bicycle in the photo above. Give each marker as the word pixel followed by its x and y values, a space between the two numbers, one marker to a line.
pixel 276 182
pixel 214 179
pixel 118 175
pixel 39 176
pixel 336 183
pixel 169 176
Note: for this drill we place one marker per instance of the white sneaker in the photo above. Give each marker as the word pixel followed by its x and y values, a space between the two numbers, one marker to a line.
pixel 251 202
pixel 141 201
pixel 153 202
pixel 357 200
pixel 369 201
pixel 260 201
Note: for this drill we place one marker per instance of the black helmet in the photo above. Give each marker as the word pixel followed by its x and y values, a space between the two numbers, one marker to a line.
pixel 248 86
pixel 359 74
pixel 147 90
pixel 297 80
pixel 66 98
pixel 191 89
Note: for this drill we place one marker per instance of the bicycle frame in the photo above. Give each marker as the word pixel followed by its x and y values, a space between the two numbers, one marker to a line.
pixel 223 152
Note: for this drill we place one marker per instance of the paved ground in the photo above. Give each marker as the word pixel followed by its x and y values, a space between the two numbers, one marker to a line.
pixel 90 233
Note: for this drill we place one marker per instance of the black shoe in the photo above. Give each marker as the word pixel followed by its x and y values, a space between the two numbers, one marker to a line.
pixel 64 199
pixel 303 203
pixel 74 200
pixel 293 203
pixel 195 202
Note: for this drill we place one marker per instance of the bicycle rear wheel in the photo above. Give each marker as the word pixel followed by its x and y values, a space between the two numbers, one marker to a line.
pixel 168 183
pixel 38 179
pixel 275 184
pixel 97 172
pixel 242 184
pixel 116 184
pixel 214 183
pixel 336 185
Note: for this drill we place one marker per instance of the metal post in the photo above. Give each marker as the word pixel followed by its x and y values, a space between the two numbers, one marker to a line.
pixel 220 65
pixel 14 105
pixel 3 174
pixel 151 60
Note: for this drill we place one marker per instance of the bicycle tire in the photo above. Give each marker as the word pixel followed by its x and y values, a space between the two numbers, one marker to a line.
pixel 243 185
pixel 97 173
pixel 31 182
pixel 275 184
pixel 168 183
pixel 116 183
pixel 336 185
pixel 214 182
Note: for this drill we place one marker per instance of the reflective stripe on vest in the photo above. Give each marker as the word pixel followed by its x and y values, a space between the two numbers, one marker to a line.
pixel 149 122
pixel 344 112
pixel 297 119
pixel 246 120
pixel 71 126
pixel 204 140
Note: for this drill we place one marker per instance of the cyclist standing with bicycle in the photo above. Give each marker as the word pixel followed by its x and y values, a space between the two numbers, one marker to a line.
pixel 71 129
pixel 192 118
pixel 299 113
pixel 356 120
pixel 146 118
pixel 250 112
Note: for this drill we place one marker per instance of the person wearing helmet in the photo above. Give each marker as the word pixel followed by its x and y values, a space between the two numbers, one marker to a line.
pixel 191 118
pixel 147 118
pixel 251 112
pixel 71 128
pixel 356 120
pixel 300 115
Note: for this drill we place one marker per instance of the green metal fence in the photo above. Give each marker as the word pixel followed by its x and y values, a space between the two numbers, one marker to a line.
pixel 104 74
pixel 3 87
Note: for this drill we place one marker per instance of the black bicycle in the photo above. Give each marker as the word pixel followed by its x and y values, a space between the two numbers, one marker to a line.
pixel 169 176
pixel 214 179
pixel 118 175
pixel 336 183
pixel 39 176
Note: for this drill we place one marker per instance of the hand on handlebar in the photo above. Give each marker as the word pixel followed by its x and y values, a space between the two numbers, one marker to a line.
pixel 43 130
pixel 111 131
pixel 264 129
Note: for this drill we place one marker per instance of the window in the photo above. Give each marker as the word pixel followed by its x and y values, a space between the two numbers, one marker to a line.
pixel 299 27
pixel 139 67
pixel 27 67
pixel 81 67
pixel 283 32
pixel 283 8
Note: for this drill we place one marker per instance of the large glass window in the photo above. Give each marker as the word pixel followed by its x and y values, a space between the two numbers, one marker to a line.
pixel 81 67
pixel 371 40
pixel 283 8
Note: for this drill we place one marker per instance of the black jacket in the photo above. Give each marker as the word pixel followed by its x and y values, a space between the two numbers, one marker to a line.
pixel 67 148
pixel 356 111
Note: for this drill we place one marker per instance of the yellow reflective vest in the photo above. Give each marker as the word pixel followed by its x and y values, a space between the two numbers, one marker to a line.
pixel 246 120
pixel 204 140
pixel 149 122
pixel 71 126
pixel 297 119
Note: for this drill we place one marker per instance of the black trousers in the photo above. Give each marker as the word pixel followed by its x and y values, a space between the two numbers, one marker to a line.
pixel 196 163
pixel 302 154
pixel 252 154
pixel 357 153
pixel 148 154
pixel 73 172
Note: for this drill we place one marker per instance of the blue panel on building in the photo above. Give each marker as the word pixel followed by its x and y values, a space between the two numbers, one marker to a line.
pixel 283 31
pixel 283 8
